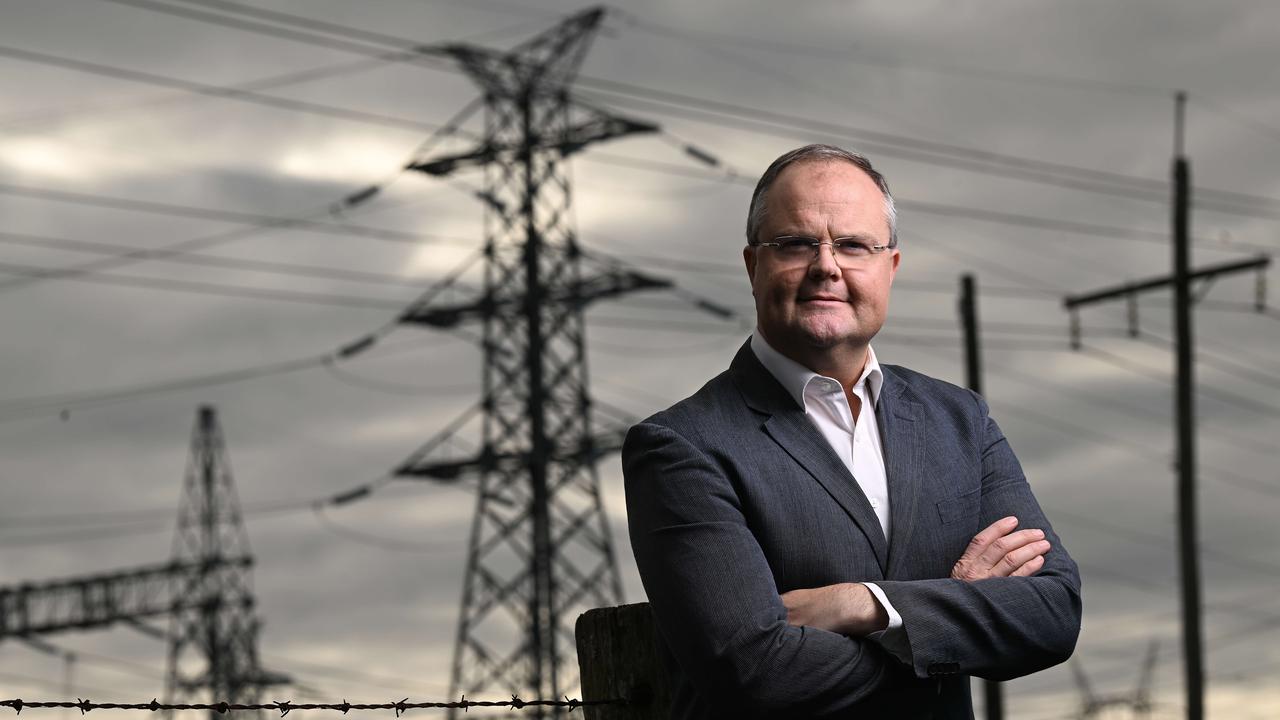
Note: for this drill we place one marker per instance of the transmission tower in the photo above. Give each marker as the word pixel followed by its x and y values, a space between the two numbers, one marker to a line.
pixel 204 589
pixel 1138 703
pixel 213 635
pixel 540 551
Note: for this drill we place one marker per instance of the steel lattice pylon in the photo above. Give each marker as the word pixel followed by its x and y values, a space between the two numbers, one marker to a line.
pixel 540 551
pixel 213 640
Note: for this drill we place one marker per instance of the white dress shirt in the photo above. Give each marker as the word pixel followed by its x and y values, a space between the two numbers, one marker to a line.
pixel 855 441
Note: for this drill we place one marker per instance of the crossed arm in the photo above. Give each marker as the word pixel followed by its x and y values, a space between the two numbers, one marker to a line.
pixel 851 609
pixel 1011 606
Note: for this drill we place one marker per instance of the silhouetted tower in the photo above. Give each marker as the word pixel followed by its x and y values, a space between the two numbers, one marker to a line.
pixel 213 640
pixel 1138 702
pixel 540 550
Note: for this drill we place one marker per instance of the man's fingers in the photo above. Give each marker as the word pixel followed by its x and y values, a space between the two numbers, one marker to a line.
pixel 1013 561
pixel 1029 567
pixel 993 532
pixel 1002 547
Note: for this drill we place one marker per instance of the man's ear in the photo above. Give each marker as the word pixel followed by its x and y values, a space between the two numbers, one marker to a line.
pixel 897 258
pixel 749 257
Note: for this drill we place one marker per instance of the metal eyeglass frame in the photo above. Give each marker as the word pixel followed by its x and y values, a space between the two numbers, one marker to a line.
pixel 790 241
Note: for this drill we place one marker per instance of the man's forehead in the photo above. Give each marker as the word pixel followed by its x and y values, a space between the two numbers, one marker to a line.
pixel 823 191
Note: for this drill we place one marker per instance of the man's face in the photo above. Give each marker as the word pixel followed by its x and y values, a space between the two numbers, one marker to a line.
pixel 820 310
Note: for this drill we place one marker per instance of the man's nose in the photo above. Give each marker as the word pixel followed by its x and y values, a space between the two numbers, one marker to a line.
pixel 825 266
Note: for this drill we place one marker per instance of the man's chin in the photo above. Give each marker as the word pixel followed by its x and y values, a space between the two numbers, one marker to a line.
pixel 826 338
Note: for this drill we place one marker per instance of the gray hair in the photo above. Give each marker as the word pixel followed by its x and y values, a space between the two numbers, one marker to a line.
pixel 755 215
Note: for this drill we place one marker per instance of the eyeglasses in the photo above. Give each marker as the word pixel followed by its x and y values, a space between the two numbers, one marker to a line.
pixel 797 250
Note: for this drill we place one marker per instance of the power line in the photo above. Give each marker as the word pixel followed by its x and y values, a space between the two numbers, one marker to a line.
pixel 370 539
pixel 347 30
pixel 152 207
pixel 1224 396
pixel 135 516
pixel 1226 558
pixel 347 673
pixel 945 210
pixel 205 288
pixel 94 534
pixel 1023 168
pixel 1145 414
pixel 1135 449
pixel 42 118
pixel 720 113
pixel 214 261
pixel 18 408
pixel 220 91
pixel 1221 363
pixel 1268 131
pixel 257 223
pixel 53 685
pixel 851 55
pixel 396 388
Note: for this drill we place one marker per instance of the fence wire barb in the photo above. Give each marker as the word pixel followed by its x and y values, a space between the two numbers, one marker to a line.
pixel 286 706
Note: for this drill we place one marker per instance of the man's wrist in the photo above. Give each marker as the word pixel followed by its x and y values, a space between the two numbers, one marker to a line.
pixel 863 613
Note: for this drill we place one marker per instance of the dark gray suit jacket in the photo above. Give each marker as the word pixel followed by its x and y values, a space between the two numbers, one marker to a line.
pixel 733 497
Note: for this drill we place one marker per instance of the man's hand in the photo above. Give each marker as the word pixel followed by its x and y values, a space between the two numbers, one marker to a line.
pixel 845 608
pixel 998 551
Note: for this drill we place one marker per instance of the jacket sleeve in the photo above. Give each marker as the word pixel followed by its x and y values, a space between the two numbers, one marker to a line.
pixel 998 628
pixel 713 595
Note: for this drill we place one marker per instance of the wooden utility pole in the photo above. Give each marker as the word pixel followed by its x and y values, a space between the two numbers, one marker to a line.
pixel 992 690
pixel 1184 386
pixel 1184 394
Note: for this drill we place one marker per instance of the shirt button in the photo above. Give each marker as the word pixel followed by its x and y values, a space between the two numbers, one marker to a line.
pixel 875 503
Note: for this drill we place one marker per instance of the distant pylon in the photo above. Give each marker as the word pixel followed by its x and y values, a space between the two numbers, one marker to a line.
pixel 213 652
pixel 1138 702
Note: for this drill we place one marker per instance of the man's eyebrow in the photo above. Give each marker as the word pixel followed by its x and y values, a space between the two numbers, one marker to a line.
pixel 859 236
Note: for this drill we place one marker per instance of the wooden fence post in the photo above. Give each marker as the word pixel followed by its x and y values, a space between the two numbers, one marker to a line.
pixel 618 658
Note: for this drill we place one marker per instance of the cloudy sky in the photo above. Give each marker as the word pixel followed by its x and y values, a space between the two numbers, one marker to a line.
pixel 113 129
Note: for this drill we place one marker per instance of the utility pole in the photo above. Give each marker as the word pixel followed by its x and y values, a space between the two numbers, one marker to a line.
pixel 1184 389
pixel 1184 393
pixel 993 692
pixel 540 550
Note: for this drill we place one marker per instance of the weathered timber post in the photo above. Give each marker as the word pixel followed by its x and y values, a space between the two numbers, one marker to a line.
pixel 618 658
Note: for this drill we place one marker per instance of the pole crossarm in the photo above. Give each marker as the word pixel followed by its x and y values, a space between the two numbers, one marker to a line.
pixel 598 128
pixel 589 450
pixel 1208 272
pixel 608 284
pixel 97 600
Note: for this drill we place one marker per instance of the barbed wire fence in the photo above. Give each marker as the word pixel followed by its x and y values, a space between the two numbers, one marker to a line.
pixel 286 706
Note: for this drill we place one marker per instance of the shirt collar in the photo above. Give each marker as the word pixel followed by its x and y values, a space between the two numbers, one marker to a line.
pixel 795 377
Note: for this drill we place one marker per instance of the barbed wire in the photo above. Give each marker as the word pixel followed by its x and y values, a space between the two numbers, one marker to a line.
pixel 285 706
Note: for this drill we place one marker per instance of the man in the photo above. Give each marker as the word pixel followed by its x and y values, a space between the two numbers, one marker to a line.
pixel 821 535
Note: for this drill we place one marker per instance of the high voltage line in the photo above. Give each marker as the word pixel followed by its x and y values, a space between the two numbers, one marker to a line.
pixel 1030 169
pixel 212 261
pixel 928 208
pixel 942 209
pixel 257 223
pixel 229 93
pixel 264 222
pixel 931 152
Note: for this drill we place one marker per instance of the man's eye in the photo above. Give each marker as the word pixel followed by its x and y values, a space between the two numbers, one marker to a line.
pixel 852 247
pixel 796 245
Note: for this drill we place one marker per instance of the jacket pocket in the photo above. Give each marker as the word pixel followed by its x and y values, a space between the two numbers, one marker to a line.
pixel 964 506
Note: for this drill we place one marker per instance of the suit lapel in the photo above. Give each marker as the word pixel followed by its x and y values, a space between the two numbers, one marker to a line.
pixel 900 436
pixel 799 438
